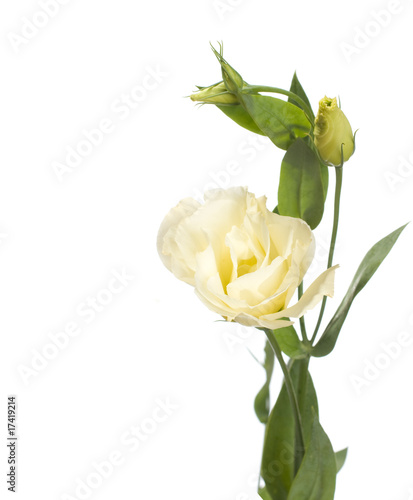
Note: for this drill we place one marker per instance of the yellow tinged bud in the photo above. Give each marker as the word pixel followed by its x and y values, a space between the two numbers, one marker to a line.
pixel 332 131
pixel 215 94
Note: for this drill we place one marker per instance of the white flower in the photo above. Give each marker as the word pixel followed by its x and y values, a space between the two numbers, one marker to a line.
pixel 244 261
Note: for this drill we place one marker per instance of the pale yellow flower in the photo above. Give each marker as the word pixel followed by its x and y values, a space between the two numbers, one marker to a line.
pixel 244 261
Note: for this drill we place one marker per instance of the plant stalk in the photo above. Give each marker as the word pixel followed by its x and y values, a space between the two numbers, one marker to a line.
pixel 339 182
pixel 299 434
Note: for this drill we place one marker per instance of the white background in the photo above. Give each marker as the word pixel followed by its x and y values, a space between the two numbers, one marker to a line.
pixel 62 240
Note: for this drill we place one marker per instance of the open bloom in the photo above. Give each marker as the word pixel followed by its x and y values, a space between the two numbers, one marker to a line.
pixel 333 131
pixel 244 261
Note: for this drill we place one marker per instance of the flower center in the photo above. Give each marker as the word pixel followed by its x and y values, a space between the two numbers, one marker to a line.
pixel 247 266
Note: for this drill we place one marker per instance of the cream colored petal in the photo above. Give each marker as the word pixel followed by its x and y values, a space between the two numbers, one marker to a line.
pixel 323 285
pixel 223 209
pixel 238 243
pixel 256 287
pixel 289 234
pixel 247 320
pixel 213 303
pixel 217 302
pixel 209 286
pixel 295 240
pixel 211 293
pixel 210 290
pixel 166 242
pixel 209 225
pixel 206 268
pixel 256 228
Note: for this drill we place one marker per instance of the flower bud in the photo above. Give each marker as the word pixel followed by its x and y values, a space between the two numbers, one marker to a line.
pixel 332 131
pixel 232 79
pixel 215 94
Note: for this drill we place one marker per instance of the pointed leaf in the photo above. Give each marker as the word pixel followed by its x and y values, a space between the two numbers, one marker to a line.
pixel 366 270
pixel 263 493
pixel 262 400
pixel 241 117
pixel 324 178
pixel 290 343
pixel 316 478
pixel 277 468
pixel 307 399
pixel 297 88
pixel 280 120
pixel 301 192
pixel 341 458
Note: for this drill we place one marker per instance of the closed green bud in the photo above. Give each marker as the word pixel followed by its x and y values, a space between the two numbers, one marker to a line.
pixel 215 94
pixel 232 79
pixel 332 133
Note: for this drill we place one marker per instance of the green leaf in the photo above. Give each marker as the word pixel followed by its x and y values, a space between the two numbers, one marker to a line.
pixel 324 178
pixel 280 120
pixel 290 343
pixel 297 89
pixel 241 117
pixel 277 467
pixel 367 268
pixel 316 478
pixel 341 458
pixel 301 192
pixel 262 400
pixel 307 399
pixel 263 493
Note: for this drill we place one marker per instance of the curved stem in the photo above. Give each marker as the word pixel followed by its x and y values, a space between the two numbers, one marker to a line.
pixel 264 88
pixel 299 451
pixel 339 182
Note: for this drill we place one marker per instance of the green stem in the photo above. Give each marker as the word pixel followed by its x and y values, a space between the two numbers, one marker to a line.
pixel 299 448
pixel 302 384
pixel 302 321
pixel 339 182
pixel 263 88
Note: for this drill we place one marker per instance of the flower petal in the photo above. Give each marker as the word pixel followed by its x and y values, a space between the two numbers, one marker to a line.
pixel 248 320
pixel 166 243
pixel 323 285
pixel 257 286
